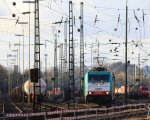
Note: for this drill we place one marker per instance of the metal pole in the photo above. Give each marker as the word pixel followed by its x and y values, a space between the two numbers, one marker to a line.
pixel 29 45
pixel 46 67
pixel 23 61
pixel 19 63
pixel 134 73
pixel 18 69
pixel 126 38
pixel 65 82
pixel 81 50
pixel 37 52
pixel 23 50
pixel 139 66
pixel 55 66
pixel 61 69
pixel 71 57
pixel 29 58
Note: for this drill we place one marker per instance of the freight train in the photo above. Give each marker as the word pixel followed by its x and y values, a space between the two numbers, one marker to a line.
pixel 139 91
pixel 99 86
pixel 23 91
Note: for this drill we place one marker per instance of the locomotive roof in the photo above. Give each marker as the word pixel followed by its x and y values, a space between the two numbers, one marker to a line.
pixel 99 69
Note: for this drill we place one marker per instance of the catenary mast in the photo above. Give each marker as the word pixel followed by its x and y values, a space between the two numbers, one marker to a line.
pixel 81 49
pixel 71 58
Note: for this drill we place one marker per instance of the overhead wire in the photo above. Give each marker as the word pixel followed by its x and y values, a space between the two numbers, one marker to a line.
pixel 60 8
pixel 49 3
pixel 7 6
pixel 88 24
pixel 143 22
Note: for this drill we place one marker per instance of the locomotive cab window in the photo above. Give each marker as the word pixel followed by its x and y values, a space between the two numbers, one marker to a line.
pixel 98 78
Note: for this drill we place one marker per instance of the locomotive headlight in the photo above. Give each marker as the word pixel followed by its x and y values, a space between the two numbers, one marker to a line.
pixel 90 93
pixel 98 85
pixel 107 92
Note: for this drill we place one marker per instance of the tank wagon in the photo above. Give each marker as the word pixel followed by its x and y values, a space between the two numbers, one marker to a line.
pixel 28 89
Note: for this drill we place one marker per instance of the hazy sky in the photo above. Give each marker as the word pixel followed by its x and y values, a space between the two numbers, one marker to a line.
pixel 108 28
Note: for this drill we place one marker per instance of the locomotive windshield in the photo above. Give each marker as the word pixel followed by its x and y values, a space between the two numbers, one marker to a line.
pixel 98 78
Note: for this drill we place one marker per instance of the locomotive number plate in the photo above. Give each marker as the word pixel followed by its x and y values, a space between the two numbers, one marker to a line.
pixel 98 88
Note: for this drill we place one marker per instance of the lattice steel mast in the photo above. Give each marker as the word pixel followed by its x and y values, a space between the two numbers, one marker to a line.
pixel 61 68
pixel 81 49
pixel 55 65
pixel 37 49
pixel 71 58
pixel 65 44
pixel 65 57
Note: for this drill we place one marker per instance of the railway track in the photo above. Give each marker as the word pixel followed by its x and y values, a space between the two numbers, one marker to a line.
pixel 55 110
pixel 55 106
pixel 10 107
pixel 65 106
pixel 51 110
pixel 117 113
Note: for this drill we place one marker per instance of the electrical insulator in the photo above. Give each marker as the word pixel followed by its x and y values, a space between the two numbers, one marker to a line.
pixel 136 45
pixel 14 3
pixel 13 15
pixel 115 29
pixel 136 28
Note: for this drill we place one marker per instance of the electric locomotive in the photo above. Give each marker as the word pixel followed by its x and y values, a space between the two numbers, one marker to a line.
pixel 99 86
